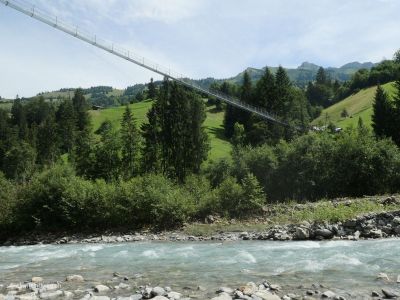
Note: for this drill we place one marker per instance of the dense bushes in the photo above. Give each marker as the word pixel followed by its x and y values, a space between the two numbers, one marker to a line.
pixel 56 200
pixel 7 200
pixel 352 163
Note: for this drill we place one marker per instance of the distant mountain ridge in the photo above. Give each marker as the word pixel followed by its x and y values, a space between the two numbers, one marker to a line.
pixel 300 76
pixel 306 72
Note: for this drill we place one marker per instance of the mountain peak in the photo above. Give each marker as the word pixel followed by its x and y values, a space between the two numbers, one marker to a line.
pixel 358 65
pixel 308 66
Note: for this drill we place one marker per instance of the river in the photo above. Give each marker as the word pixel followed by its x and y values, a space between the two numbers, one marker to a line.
pixel 341 266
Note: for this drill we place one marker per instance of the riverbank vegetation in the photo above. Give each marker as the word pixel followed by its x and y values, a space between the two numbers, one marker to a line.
pixel 59 173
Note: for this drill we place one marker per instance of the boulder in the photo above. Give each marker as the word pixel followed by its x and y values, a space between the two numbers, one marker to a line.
pixel 37 279
pixel 389 293
pixel 265 295
pixel 249 289
pixel 101 288
pixel 324 232
pixel 224 290
pixel 222 296
pixel 375 234
pixel 174 295
pixel 74 278
pixel 158 291
pixel 159 298
pixel 383 277
pixel 328 294
pixel 51 294
pixel 302 233
pixel 29 296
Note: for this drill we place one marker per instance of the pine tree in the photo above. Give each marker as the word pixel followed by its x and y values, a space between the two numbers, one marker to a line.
pixel 382 116
pixel 81 110
pixel 175 133
pixel 151 160
pixel 152 89
pixel 321 77
pixel 107 160
pixel 83 155
pixel 47 142
pixel 130 144
pixel 67 125
pixel 246 95
pixel 231 112
pixel 283 86
pixel 265 92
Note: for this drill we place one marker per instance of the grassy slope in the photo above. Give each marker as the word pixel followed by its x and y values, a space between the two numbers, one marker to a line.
pixel 5 105
pixel 219 146
pixel 357 105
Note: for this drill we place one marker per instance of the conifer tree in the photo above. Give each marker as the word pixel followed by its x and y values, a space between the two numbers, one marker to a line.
pixel 176 126
pixel 130 143
pixel 152 89
pixel 321 77
pixel 151 160
pixel 83 155
pixel 107 160
pixel 47 142
pixel 81 110
pixel 382 116
pixel 66 125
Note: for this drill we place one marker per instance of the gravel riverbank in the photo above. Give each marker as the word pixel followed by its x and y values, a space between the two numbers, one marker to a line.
pixel 368 226
pixel 122 287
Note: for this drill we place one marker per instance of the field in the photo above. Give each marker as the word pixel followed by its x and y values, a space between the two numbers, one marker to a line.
pixel 220 147
pixel 5 105
pixel 357 105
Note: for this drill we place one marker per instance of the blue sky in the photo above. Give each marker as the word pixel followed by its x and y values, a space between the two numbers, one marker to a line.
pixel 199 38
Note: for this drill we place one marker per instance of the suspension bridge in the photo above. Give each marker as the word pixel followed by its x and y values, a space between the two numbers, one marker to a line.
pixel 53 21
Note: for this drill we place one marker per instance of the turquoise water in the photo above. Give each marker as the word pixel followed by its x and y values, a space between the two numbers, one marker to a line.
pixel 338 265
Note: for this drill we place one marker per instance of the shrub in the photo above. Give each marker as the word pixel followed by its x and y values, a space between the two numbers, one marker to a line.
pixel 154 200
pixel 7 203
pixel 241 200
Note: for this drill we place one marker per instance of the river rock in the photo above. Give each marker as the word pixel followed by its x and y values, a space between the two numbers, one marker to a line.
pixel 302 233
pixel 397 230
pixel 328 294
pixel 174 295
pixel 222 296
pixel 51 294
pixel 324 232
pixel 68 295
pixel 383 276
pixel 265 295
pixel 101 288
pixel 375 234
pixel 136 297
pixel 29 296
pixel 37 279
pixel 49 287
pixel 389 294
pixel 74 278
pixel 249 289
pixel 224 290
pixel 158 291
pixel 375 294
pixel 159 298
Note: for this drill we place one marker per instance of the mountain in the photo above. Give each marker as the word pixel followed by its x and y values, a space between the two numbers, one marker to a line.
pixel 306 72
pixel 300 76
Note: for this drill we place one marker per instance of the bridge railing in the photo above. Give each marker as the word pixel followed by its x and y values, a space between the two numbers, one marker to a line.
pixel 34 12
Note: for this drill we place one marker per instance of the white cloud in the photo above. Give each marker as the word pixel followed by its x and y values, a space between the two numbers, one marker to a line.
pixel 197 37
